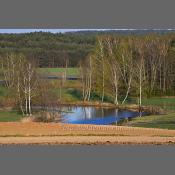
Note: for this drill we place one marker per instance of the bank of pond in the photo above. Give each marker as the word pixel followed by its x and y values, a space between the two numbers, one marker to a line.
pixel 80 114
pixel 100 115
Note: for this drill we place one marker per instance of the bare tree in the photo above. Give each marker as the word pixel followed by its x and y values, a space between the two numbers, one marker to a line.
pixel 8 66
pixel 140 69
pixel 21 78
pixel 103 67
pixel 112 45
pixel 126 66
pixel 86 74
pixel 114 63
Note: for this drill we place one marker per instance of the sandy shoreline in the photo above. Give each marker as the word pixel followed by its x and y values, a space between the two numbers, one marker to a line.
pixel 51 133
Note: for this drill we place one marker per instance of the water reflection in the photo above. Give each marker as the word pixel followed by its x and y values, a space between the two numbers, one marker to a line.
pixel 93 115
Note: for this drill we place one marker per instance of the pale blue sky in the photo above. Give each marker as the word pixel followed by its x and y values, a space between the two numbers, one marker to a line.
pixel 59 30
pixel 44 30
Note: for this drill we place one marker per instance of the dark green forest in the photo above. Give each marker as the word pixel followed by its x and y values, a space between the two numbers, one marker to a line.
pixel 51 50
pixel 47 49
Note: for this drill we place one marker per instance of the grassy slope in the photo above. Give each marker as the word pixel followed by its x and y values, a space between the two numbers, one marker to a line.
pixel 157 121
pixel 154 121
pixel 10 116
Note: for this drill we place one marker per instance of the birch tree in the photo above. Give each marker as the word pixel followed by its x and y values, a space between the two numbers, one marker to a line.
pixel 140 76
pixel 21 77
pixel 99 67
pixel 86 74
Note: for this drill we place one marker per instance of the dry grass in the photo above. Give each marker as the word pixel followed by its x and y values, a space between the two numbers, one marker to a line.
pixel 54 133
pixel 58 129
pixel 88 140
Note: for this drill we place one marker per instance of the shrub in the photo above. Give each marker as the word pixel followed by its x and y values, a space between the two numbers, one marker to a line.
pixel 43 117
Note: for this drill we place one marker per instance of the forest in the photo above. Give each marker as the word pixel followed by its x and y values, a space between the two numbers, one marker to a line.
pixel 50 50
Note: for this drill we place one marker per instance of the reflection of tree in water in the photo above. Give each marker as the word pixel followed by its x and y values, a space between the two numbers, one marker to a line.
pixel 91 112
pixel 102 112
pixel 79 114
pixel 69 108
pixel 88 111
pixel 116 115
pixel 85 115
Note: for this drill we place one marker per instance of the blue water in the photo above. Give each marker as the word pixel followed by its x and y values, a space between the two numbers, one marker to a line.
pixel 93 115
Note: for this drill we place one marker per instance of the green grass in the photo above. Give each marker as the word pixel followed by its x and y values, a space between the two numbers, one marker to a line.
pixel 71 71
pixel 159 101
pixel 68 94
pixel 3 91
pixel 72 94
pixel 10 116
pixel 165 103
pixel 166 121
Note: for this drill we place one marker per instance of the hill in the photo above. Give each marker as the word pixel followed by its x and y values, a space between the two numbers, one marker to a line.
pixel 51 50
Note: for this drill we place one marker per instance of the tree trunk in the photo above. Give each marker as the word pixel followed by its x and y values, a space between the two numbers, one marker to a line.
pixel 140 90
pixel 103 82
pixel 129 86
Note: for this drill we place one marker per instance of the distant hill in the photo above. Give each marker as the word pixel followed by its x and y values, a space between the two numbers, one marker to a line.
pixel 126 31
pixel 51 50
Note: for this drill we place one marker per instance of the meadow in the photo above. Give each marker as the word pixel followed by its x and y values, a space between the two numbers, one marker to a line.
pixel 71 71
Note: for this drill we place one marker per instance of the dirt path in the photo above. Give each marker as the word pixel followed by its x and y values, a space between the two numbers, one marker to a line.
pixel 52 133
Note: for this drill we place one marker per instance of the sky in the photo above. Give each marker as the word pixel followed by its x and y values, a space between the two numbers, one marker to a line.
pixel 43 30
pixel 57 30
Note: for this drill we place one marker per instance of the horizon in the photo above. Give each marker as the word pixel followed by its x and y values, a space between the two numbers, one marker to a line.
pixel 16 31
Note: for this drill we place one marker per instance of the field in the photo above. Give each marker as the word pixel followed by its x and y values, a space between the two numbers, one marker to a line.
pixel 55 71
pixel 40 133
pixel 87 140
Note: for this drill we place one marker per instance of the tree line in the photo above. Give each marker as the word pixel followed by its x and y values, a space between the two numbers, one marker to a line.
pixel 129 66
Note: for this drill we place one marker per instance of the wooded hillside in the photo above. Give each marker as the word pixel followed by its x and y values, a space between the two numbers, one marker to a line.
pixel 51 50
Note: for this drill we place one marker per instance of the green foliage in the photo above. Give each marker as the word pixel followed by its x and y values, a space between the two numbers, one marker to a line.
pixel 74 94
